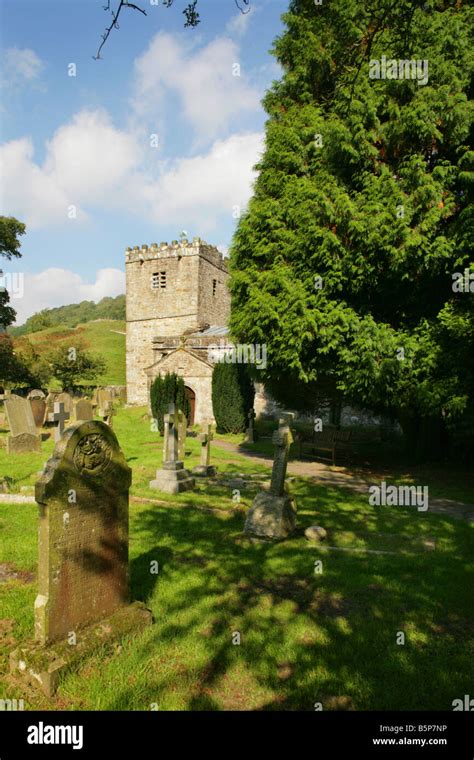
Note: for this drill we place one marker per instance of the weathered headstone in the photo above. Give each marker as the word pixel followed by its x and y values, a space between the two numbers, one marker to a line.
pixel 103 397
pixel 205 438
pixel 24 437
pixel 273 512
pixel 108 413
pixel 249 433
pixel 83 410
pixel 66 399
pixel 172 478
pixel 60 416
pixel 182 430
pixel 83 595
pixel 38 408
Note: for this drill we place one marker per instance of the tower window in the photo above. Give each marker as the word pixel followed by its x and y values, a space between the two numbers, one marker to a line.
pixel 158 280
pixel 214 287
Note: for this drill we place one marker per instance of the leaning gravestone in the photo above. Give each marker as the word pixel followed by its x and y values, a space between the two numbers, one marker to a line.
pixel 273 513
pixel 205 468
pixel 83 577
pixel 24 436
pixel 172 478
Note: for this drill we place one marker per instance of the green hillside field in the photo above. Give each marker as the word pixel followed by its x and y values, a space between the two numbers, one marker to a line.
pixel 103 337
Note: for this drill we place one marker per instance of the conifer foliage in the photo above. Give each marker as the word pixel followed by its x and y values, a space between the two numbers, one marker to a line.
pixel 164 391
pixel 347 262
pixel 232 397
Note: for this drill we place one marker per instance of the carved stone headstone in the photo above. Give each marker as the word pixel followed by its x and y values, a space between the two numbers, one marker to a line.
pixel 66 399
pixel 38 407
pixel 172 478
pixel 205 438
pixel 24 436
pixel 104 395
pixel 83 410
pixel 83 578
pixel 273 513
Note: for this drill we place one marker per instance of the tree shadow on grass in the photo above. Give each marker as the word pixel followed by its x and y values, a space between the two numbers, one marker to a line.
pixel 305 637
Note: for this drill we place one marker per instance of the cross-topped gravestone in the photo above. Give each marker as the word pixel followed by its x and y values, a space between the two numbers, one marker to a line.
pixel 24 436
pixel 205 438
pixel 60 416
pixel 172 478
pixel 273 513
pixel 250 433
pixel 83 578
pixel 282 440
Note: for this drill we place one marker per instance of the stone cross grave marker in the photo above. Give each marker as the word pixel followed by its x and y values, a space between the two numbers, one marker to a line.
pixel 24 436
pixel 249 433
pixel 60 416
pixel 83 577
pixel 205 468
pixel 273 512
pixel 172 478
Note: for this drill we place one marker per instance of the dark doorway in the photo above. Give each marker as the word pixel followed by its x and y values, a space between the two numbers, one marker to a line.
pixel 191 396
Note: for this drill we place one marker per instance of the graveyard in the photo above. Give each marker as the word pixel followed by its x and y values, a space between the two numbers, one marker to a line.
pixel 241 623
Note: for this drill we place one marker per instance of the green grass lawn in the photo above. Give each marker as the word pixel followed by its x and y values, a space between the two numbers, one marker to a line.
pixel 305 636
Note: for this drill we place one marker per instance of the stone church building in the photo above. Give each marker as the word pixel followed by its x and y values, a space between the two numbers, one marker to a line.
pixel 178 306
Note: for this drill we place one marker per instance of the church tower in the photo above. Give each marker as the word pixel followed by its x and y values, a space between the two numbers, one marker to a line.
pixel 170 290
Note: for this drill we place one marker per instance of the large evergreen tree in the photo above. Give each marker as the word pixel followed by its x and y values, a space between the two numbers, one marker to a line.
pixel 344 262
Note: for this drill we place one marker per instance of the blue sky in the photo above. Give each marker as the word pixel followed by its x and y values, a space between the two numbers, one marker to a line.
pixel 158 137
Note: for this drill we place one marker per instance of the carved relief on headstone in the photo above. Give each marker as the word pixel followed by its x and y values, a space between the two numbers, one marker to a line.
pixel 83 578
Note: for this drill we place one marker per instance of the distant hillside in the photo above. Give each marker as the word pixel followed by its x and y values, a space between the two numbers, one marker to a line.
pixel 105 337
pixel 72 315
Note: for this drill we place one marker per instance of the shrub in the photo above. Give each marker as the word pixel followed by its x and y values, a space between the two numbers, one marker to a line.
pixel 232 397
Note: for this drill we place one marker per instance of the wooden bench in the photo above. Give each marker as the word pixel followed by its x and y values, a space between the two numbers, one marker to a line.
pixel 330 441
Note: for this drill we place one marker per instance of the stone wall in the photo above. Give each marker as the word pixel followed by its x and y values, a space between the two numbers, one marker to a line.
pixel 197 375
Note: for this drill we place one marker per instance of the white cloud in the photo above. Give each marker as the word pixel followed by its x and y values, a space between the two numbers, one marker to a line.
pixel 211 96
pixel 58 287
pixel 20 65
pixel 87 162
pixel 195 191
